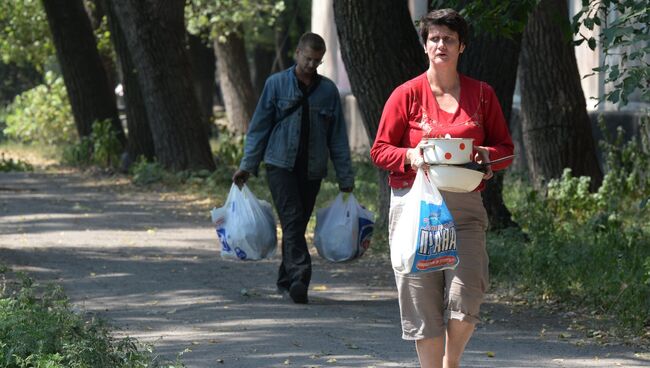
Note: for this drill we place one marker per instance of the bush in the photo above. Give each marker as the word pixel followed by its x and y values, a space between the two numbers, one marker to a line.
pixel 42 114
pixel 38 329
pixel 10 164
pixel 102 148
pixel 229 149
pixel 586 249
pixel 145 173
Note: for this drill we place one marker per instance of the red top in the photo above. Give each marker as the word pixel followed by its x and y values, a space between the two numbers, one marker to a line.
pixel 412 113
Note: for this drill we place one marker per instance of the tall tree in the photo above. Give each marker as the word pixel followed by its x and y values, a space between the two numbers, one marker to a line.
pixel 556 127
pixel 381 50
pixel 91 96
pixel 140 140
pixel 203 77
pixel 224 21
pixel 235 81
pixel 500 71
pixel 155 37
pixel 495 25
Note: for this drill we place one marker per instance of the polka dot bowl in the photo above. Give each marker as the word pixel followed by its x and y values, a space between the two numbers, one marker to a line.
pixel 453 151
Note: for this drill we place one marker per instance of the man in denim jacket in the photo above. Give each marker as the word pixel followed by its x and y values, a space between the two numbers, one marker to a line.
pixel 297 125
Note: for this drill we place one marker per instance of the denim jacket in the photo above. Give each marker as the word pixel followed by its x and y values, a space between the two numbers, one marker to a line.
pixel 277 141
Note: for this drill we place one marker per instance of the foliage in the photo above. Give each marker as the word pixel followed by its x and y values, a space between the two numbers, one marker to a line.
pixel 586 249
pixel 106 146
pixel 10 164
pixel 145 173
pixel 101 148
pixel 42 114
pixel 624 42
pixel 498 17
pixel 16 79
pixel 38 329
pixel 25 37
pixel 217 19
pixel 229 148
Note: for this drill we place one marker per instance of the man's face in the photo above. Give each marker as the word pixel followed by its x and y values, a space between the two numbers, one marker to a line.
pixel 308 59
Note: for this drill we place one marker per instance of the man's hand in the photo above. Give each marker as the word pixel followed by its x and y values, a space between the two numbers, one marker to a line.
pixel 240 177
pixel 346 189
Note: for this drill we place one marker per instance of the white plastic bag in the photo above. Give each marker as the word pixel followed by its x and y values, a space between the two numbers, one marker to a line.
pixel 245 226
pixel 343 230
pixel 424 237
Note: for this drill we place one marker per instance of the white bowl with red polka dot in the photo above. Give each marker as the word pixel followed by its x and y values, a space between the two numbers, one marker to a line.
pixel 447 151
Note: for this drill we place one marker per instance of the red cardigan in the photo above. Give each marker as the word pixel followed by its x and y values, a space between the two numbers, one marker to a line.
pixel 412 113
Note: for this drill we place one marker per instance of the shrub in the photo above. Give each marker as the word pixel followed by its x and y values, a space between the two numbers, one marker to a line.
pixel 102 148
pixel 589 249
pixel 229 148
pixel 145 173
pixel 14 165
pixel 42 114
pixel 38 329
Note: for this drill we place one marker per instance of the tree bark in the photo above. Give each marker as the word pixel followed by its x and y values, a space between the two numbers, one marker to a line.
pixel 380 50
pixel 499 69
pixel 263 59
pixel 155 36
pixel 96 11
pixel 203 76
pixel 235 81
pixel 139 139
pixel 90 94
pixel 556 127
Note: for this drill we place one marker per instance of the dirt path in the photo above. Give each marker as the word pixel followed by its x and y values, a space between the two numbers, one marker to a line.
pixel 151 267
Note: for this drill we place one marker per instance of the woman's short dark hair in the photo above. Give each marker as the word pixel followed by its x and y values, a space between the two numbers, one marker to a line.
pixel 311 40
pixel 444 17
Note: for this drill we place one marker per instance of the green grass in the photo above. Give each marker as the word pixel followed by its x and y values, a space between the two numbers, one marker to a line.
pixel 38 329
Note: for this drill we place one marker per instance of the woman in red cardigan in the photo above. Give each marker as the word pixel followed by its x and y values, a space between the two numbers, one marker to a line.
pixel 439 310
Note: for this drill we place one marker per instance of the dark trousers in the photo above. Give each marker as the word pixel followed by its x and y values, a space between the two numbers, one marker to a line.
pixel 294 197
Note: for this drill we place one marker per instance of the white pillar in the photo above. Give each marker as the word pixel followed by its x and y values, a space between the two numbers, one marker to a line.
pixel 588 59
pixel 418 9
pixel 322 23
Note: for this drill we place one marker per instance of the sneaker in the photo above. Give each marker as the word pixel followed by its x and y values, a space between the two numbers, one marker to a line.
pixel 298 292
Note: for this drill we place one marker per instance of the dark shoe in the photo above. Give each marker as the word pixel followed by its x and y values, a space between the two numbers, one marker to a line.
pixel 298 292
pixel 282 290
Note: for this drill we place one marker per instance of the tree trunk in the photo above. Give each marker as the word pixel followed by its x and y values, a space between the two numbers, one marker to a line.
pixel 91 97
pixel 380 50
pixel 235 81
pixel 556 127
pixel 96 11
pixel 500 71
pixel 139 139
pixel 203 76
pixel 155 36
pixel 263 59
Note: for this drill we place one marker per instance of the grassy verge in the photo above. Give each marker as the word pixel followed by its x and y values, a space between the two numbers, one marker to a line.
pixel 38 329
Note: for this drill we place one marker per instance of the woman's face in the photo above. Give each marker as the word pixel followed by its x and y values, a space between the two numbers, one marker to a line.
pixel 443 46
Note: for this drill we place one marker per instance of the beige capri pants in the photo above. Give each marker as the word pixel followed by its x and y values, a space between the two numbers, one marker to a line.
pixel 428 300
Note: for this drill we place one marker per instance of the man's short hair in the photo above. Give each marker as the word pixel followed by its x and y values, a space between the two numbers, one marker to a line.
pixel 311 40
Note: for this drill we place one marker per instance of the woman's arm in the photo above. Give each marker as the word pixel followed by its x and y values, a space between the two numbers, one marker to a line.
pixel 386 151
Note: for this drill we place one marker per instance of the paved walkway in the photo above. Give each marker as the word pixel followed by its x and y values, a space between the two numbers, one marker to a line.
pixel 145 263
